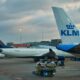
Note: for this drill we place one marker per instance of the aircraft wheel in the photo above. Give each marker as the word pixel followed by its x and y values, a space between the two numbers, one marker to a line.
pixel 36 59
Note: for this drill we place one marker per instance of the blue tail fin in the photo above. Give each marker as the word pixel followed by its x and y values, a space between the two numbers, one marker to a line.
pixel 2 45
pixel 67 30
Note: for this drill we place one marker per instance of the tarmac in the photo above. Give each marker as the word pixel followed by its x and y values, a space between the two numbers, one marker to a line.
pixel 21 69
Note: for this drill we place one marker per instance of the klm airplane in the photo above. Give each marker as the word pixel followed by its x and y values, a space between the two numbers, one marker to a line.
pixel 70 37
pixel 70 34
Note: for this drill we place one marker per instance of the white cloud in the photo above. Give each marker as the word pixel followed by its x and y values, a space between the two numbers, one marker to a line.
pixel 34 16
pixel 2 1
pixel 72 6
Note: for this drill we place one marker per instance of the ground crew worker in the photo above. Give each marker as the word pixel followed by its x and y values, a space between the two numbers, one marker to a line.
pixel 51 66
pixel 61 61
pixel 39 66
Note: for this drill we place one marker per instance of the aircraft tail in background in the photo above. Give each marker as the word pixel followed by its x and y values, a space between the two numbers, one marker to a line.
pixel 2 45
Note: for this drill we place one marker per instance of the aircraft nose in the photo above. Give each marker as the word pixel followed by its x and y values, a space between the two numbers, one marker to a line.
pixel 1 50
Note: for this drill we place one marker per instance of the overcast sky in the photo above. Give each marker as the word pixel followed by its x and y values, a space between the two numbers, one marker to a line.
pixel 33 20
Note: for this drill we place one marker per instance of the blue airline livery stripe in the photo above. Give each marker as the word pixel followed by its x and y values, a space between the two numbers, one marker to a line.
pixel 65 47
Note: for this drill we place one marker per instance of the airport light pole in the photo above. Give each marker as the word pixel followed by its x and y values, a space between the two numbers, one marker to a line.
pixel 20 32
pixel 42 36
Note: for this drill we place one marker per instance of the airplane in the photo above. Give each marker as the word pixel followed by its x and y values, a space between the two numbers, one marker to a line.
pixel 35 53
pixel 68 33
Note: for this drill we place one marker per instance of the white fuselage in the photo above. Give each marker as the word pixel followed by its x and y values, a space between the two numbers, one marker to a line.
pixel 32 52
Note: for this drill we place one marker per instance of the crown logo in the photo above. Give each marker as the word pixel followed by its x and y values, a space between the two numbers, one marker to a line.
pixel 70 26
